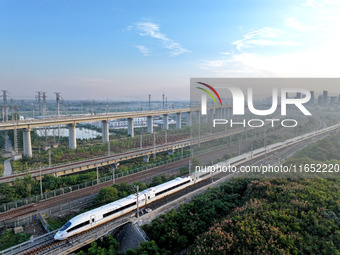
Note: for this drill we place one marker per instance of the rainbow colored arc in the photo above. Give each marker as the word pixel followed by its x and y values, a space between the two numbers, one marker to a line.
pixel 209 93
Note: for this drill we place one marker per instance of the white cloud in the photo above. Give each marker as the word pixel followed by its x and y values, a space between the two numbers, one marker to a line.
pixel 312 3
pixel 293 23
pixel 256 54
pixel 145 51
pixel 212 64
pixel 318 61
pixel 263 37
pixel 152 30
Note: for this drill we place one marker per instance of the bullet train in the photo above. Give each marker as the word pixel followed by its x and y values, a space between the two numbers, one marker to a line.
pixel 105 213
pixel 108 212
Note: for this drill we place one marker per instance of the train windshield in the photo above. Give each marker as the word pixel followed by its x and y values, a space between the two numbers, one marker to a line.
pixel 65 226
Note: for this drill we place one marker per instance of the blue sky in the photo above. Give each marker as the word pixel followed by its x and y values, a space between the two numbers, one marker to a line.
pixel 129 49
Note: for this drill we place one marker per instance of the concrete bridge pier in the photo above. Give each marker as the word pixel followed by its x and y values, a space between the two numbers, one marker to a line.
pixel 72 136
pixel 105 131
pixel 131 132
pixel 204 119
pixel 27 142
pixel 219 113
pixel 189 119
pixel 165 121
pixel 149 121
pixel 178 120
pixel 130 236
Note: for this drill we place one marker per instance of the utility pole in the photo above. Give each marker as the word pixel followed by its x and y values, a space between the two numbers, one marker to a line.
pixel 166 102
pixel 38 97
pixel 97 175
pixel 149 102
pixel 141 142
pixel 15 115
pixel 58 97
pixel 44 106
pixel 154 145
pixel 49 158
pixel 4 111
pixel 212 173
pixel 113 172
pixel 137 188
pixel 41 192
pixel 163 100
pixel 15 133
pixel 5 105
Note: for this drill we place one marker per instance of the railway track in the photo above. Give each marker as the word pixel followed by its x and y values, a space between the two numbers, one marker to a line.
pixel 47 245
pixel 148 150
pixel 61 199
pixel 43 204
pixel 126 155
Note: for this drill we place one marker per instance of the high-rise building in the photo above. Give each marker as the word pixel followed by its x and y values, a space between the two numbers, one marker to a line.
pixel 332 102
pixel 325 97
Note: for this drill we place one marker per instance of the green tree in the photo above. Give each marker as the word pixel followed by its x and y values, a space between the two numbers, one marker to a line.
pixel 106 195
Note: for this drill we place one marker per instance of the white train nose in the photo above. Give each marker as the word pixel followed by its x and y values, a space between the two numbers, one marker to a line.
pixel 58 235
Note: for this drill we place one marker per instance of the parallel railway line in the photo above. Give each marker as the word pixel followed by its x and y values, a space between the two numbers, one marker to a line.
pixel 47 245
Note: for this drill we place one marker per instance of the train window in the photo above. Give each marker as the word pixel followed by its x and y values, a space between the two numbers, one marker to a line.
pixel 67 225
pixel 148 197
pixel 79 226
pixel 119 209
pixel 174 187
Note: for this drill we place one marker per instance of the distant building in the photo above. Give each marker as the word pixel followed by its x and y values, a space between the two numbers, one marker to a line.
pixel 312 97
pixel 325 97
pixel 332 102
